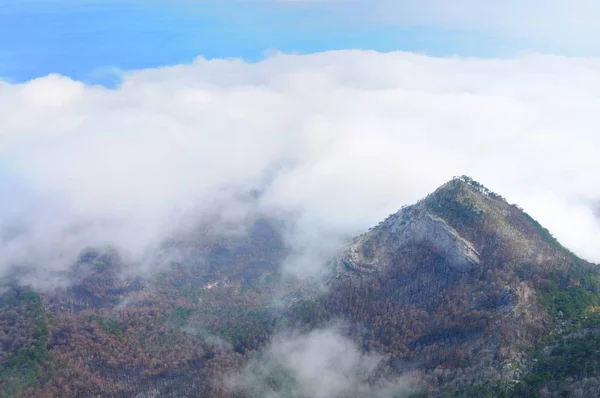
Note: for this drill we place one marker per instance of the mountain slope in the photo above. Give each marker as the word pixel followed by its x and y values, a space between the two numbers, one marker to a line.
pixel 461 285
pixel 464 292
pixel 172 334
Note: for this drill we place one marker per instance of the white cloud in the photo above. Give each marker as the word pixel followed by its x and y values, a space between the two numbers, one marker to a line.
pixel 359 133
pixel 321 364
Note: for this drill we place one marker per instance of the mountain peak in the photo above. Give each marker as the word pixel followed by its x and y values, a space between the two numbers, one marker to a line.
pixel 464 271
pixel 466 181
pixel 464 223
pixel 468 206
pixel 466 189
pixel 463 201
pixel 466 185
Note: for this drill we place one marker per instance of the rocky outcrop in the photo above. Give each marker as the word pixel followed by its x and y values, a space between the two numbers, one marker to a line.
pixel 410 226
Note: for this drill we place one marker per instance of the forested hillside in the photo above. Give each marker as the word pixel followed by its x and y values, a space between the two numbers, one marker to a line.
pixel 459 295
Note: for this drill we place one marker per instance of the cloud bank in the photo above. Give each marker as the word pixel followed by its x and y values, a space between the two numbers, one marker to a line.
pixel 320 364
pixel 340 139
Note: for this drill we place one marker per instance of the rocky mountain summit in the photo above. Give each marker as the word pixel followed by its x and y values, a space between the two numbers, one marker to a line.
pixel 462 292
pixel 462 222
pixel 413 225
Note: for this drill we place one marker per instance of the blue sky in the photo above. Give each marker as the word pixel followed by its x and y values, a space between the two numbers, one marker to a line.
pixel 85 40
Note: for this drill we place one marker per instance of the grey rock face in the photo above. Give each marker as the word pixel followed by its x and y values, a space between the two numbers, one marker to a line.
pixel 411 225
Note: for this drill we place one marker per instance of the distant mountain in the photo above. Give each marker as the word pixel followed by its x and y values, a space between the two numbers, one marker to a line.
pixel 462 291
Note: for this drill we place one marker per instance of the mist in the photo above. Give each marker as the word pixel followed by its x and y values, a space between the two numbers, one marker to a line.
pixel 333 142
pixel 320 364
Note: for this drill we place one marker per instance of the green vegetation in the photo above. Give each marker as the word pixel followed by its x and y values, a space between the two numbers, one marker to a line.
pixel 109 324
pixel 17 297
pixel 234 335
pixel 571 297
pixel 543 231
pixel 24 366
pixel 272 278
pixel 491 389
pixel 180 315
pixel 264 284
pixel 246 327
pixel 277 380
pixel 447 205
pixel 304 310
pixel 417 394
pixel 455 333
pixel 95 260
pixel 161 279
pixel 194 292
pixel 347 264
pixel 571 357
pixel 571 294
pixel 368 248
pixel 479 186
